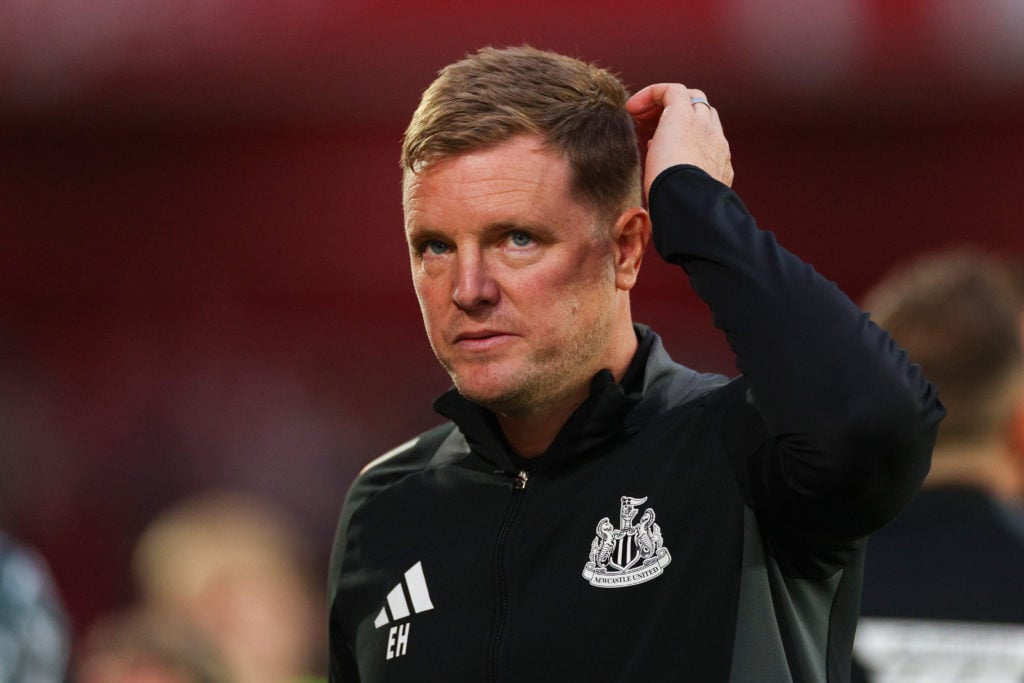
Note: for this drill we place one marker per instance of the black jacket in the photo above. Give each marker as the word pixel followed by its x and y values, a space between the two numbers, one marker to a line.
pixel 681 526
pixel 943 591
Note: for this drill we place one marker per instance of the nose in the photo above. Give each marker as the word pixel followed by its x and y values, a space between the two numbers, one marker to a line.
pixel 475 288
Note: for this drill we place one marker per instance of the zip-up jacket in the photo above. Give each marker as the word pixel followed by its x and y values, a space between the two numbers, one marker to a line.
pixel 681 526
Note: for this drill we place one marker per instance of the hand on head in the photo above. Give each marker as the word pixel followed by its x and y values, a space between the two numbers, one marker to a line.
pixel 678 130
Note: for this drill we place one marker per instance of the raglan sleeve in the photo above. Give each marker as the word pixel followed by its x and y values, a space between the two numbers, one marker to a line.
pixel 831 426
pixel 342 664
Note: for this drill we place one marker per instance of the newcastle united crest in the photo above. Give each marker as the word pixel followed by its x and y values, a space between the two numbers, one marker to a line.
pixel 629 555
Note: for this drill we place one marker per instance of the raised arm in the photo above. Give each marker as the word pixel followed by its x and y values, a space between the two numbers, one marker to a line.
pixel 848 422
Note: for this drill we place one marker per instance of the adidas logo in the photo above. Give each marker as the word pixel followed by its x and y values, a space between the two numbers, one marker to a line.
pixel 413 589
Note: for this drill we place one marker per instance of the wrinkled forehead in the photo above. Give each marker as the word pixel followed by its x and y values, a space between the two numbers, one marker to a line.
pixel 534 143
pixel 523 158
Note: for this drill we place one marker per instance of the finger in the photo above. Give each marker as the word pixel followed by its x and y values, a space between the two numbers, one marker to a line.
pixel 714 115
pixel 654 97
pixel 699 101
pixel 653 104
pixel 660 107
pixel 645 110
pixel 641 102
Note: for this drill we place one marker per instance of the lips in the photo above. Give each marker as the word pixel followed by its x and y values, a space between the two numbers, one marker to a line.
pixel 478 334
pixel 481 340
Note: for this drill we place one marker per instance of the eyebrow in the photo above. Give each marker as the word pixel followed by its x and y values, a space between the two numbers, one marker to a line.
pixel 497 227
pixel 419 234
pixel 507 226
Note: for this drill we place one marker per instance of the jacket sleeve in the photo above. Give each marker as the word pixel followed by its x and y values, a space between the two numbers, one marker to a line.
pixel 832 431
pixel 342 667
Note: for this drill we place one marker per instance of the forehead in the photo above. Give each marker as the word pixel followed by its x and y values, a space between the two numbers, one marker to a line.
pixel 518 176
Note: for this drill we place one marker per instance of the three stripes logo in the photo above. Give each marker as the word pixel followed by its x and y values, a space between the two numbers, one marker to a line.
pixel 412 590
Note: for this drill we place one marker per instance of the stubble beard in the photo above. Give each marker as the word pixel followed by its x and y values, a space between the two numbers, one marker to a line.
pixel 549 376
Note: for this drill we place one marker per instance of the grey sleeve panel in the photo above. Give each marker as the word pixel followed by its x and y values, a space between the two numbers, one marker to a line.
pixel 782 624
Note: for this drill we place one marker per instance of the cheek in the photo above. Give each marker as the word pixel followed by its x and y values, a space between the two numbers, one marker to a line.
pixel 570 297
pixel 427 293
pixel 588 278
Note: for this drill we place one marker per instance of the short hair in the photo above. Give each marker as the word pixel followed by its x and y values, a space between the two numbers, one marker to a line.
pixel 213 533
pixel 577 108
pixel 955 314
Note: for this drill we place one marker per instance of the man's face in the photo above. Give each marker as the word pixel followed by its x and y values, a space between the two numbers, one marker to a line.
pixel 514 276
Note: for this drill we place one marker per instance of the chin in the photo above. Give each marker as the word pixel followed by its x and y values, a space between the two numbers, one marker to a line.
pixel 507 400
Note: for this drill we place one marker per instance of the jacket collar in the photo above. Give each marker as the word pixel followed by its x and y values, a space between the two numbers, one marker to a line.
pixel 652 384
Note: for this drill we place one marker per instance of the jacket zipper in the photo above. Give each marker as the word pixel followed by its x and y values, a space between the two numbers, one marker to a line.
pixel 501 593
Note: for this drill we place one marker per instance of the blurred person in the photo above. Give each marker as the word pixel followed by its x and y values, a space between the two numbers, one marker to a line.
pixel 1017 278
pixel 239 568
pixel 944 584
pixel 1016 274
pixel 593 510
pixel 34 630
pixel 142 645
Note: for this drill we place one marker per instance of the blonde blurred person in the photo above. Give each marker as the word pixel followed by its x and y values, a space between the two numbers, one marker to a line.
pixel 238 568
pixel 943 599
pixel 958 314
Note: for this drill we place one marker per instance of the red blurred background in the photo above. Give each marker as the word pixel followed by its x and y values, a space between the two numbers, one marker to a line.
pixel 201 255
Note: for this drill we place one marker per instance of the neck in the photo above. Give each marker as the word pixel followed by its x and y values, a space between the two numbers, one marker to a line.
pixel 987 467
pixel 531 434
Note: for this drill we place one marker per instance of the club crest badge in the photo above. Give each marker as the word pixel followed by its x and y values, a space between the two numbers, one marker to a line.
pixel 629 555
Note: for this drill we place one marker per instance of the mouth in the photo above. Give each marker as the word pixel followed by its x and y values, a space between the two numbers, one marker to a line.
pixel 481 340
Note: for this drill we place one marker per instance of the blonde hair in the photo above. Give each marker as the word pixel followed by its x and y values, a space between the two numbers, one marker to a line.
pixel 577 108
pixel 954 313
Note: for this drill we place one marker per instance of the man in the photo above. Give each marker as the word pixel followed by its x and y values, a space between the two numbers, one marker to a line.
pixel 942 584
pixel 489 548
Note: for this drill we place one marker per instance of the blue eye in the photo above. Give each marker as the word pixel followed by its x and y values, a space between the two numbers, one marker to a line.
pixel 520 238
pixel 435 247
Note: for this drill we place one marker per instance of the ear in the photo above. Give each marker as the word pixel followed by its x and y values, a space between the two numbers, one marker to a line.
pixel 631 233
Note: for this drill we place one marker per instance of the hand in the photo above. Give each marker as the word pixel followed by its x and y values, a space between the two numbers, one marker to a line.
pixel 679 132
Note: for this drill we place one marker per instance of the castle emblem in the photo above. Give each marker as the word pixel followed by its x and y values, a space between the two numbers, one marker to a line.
pixel 629 555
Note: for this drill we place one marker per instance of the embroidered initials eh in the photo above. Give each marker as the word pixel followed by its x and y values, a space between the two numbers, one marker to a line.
pixel 413 589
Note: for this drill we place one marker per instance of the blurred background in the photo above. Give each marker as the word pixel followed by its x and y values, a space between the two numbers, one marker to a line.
pixel 203 279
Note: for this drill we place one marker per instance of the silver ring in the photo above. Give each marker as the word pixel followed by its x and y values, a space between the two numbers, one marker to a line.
pixel 700 100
